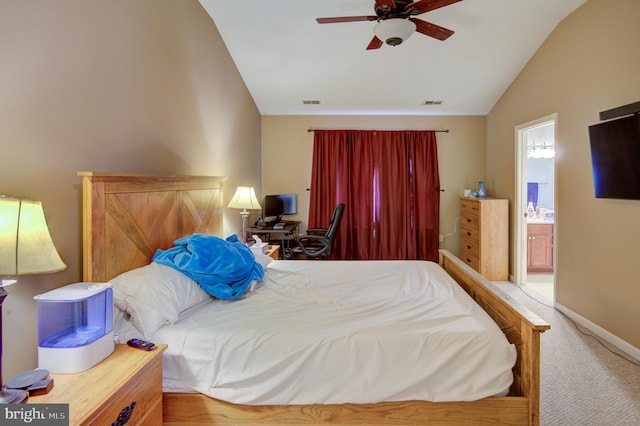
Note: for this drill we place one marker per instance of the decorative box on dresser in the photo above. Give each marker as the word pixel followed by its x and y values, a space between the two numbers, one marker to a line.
pixel 484 236
pixel 126 387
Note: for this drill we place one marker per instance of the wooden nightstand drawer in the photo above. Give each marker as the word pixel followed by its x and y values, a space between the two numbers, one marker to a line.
pixel 100 394
pixel 138 399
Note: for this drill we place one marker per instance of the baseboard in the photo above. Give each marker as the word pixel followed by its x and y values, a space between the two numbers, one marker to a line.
pixel 601 332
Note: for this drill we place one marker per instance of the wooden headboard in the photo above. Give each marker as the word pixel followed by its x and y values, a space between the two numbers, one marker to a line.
pixel 127 217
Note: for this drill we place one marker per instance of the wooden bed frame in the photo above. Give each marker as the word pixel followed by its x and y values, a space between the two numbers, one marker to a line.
pixel 126 217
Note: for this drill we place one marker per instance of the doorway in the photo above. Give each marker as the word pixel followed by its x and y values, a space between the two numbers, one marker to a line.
pixel 535 254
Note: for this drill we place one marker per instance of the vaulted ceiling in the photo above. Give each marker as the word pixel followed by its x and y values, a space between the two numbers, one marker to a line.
pixel 294 66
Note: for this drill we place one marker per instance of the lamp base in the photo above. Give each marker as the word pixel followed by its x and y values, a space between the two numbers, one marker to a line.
pixel 13 396
pixel 245 215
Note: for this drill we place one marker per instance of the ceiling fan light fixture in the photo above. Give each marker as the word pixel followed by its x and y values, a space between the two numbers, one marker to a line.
pixel 394 31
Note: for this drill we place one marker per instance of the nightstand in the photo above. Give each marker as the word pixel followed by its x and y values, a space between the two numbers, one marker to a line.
pixel 126 383
pixel 273 251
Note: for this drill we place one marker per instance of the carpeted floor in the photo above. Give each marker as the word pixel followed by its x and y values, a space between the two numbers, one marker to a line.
pixel 582 382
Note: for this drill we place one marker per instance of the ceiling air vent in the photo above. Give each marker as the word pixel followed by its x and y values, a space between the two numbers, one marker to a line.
pixel 311 102
pixel 433 102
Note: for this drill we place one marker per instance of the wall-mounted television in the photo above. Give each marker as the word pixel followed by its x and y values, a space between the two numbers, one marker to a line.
pixel 615 158
pixel 277 205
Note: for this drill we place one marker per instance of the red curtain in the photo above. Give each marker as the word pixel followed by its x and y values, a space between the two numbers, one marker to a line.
pixel 389 183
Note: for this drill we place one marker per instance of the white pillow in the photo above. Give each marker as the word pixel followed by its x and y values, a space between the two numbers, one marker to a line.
pixel 155 295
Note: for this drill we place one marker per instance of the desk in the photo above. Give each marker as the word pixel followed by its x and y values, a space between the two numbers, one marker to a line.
pixel 290 229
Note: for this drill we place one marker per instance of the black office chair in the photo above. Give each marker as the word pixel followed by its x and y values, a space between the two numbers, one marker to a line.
pixel 318 242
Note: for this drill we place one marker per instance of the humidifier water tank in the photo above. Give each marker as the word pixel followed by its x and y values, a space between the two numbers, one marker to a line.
pixel 75 327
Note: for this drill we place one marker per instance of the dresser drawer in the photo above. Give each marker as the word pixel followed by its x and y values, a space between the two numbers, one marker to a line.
pixel 140 399
pixel 472 247
pixel 470 233
pixel 470 221
pixel 470 259
pixel 469 207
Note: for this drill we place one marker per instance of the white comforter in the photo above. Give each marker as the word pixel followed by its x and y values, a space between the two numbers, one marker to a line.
pixel 337 332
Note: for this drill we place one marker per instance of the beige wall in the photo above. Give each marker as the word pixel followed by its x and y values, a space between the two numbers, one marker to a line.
pixel 287 150
pixel 133 86
pixel 590 63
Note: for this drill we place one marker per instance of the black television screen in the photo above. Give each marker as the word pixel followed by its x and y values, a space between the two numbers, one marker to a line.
pixel 615 158
pixel 278 205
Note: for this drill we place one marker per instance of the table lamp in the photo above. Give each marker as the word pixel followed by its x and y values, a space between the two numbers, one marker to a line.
pixel 244 198
pixel 26 247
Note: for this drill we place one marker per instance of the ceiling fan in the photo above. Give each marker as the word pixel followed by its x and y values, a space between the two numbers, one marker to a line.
pixel 396 22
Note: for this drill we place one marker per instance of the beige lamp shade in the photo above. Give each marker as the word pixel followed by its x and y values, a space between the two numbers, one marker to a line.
pixel 26 246
pixel 244 198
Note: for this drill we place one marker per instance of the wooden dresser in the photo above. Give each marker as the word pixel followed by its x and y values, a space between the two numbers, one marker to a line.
pixel 125 387
pixel 484 236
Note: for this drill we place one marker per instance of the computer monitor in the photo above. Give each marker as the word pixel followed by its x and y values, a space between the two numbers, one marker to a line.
pixel 277 205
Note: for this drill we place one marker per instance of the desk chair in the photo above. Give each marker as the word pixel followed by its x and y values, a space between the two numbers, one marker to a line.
pixel 318 242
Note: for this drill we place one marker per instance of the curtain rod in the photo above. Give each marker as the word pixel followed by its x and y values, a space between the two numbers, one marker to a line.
pixel 310 129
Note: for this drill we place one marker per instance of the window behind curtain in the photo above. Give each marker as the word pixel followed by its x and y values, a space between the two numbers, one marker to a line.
pixel 389 183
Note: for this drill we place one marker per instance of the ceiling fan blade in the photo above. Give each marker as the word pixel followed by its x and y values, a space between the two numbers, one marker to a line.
pixel 423 6
pixel 389 3
pixel 375 43
pixel 339 19
pixel 431 30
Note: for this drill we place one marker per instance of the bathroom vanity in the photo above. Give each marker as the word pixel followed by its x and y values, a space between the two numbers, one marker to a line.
pixel 540 246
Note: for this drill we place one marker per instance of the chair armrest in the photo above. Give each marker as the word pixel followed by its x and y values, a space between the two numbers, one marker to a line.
pixel 319 246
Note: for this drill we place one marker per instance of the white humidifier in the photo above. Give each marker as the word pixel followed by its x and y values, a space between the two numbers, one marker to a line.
pixel 75 327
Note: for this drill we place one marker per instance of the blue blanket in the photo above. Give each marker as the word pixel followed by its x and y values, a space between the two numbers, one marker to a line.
pixel 223 268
